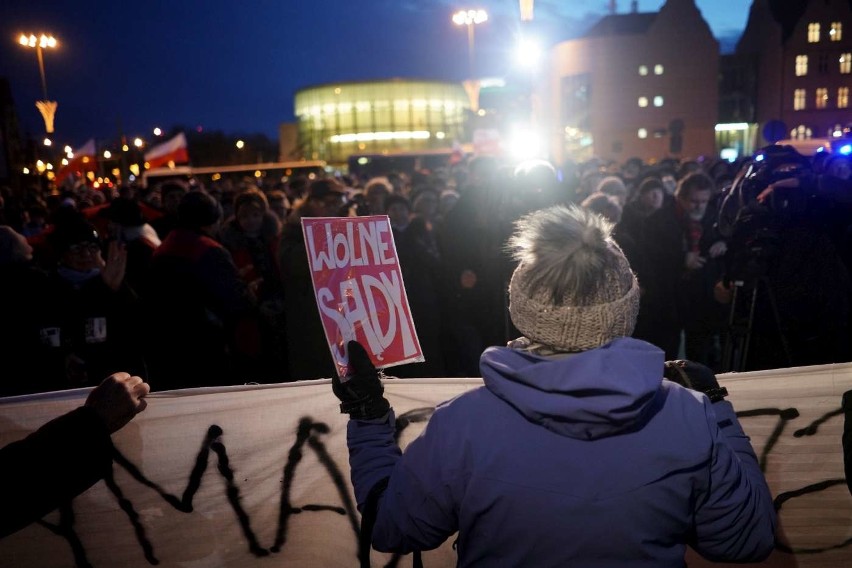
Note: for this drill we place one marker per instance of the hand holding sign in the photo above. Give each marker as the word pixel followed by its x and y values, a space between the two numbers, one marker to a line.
pixel 361 396
pixel 359 290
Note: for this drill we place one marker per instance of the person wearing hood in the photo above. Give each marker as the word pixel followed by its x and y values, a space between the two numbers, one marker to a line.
pixel 87 320
pixel 576 451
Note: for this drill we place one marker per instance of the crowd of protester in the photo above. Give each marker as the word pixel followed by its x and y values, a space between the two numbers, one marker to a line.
pixel 189 286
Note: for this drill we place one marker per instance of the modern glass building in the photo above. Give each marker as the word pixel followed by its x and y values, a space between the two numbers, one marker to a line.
pixel 341 119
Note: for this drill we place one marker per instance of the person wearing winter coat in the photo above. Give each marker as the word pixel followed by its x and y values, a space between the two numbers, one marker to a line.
pixel 576 451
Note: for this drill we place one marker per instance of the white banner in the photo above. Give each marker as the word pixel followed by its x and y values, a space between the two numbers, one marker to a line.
pixel 239 476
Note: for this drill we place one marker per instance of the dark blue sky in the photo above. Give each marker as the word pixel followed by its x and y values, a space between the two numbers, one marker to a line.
pixel 234 66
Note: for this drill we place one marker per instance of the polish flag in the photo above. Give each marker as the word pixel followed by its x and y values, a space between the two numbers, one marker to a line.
pixel 83 161
pixel 173 150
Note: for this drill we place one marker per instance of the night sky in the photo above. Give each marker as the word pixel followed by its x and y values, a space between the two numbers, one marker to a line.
pixel 234 66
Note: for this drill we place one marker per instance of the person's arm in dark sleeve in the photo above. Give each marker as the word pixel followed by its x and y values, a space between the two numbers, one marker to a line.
pixel 736 519
pixel 57 462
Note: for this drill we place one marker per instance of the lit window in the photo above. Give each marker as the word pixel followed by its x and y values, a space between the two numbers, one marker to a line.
pixel 821 98
pixel 643 70
pixel 801 132
pixel 801 65
pixel 658 101
pixel 799 98
pixel 836 31
pixel 813 32
pixel 846 63
pixel 643 102
pixel 643 133
pixel 843 97
pixel 658 69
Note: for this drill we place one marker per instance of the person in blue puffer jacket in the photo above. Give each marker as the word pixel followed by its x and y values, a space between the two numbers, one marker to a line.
pixel 576 451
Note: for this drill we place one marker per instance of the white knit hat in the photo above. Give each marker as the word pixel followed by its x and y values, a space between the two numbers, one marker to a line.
pixel 573 289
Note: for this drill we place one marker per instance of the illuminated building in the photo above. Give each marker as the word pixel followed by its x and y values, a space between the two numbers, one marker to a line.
pixel 798 57
pixel 636 84
pixel 338 120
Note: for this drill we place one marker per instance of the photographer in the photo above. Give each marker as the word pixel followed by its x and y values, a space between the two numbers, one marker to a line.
pixel 791 305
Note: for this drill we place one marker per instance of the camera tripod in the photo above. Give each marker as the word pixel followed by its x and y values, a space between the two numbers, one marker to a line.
pixel 741 323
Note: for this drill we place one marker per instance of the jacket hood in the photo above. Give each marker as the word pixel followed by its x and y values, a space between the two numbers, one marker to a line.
pixel 590 395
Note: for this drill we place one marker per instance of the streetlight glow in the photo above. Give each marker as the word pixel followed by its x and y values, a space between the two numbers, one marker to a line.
pixel 138 142
pixel 107 154
pixel 46 107
pixel 157 131
pixel 468 17
pixel 67 149
pixel 240 144
pixel 48 142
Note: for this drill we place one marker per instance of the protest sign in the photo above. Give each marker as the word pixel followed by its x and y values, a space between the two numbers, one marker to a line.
pixel 245 476
pixel 359 289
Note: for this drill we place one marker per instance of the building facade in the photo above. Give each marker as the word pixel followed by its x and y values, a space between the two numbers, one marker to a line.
pixel 339 120
pixel 801 53
pixel 636 85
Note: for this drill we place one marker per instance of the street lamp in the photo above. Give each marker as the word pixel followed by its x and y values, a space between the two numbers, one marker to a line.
pixel 240 144
pixel 470 18
pixel 46 108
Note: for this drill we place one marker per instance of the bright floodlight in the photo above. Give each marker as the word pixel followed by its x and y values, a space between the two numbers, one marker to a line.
pixel 525 143
pixel 528 52
pixel 469 17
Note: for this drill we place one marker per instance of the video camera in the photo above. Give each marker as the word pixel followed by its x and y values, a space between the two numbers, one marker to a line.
pixel 752 218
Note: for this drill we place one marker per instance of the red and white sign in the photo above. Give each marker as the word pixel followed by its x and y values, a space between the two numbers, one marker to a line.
pixel 173 150
pixel 359 289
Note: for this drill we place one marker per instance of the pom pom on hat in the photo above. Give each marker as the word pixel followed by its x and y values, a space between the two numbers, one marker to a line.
pixel 573 289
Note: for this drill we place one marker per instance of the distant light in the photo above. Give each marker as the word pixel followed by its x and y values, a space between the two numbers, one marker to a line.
pixel 116 172
pixel 107 154
pixel 199 128
pixel 846 149
pixel 134 169
pixel 481 112
pixel 39 164
pixel 525 143
pixel 26 171
pixel 24 40
pixel 729 154
pixel 97 184
pixel 216 177
pixel 64 161
pixel 528 52
pixel 642 133
pixel 157 131
pixel 258 173
pixel 70 155
pixel 337 90
pixel 85 159
pixel 732 126
pixel 820 149
pixel 51 175
pixel 131 177
pixel 67 149
pixel 837 133
pixel 440 135
pixel 363 161
pixel 759 158
pixel 171 164
pixel 48 142
pixel 240 144
pixel 138 142
pixel 49 166
pixel 468 17
pixel 312 176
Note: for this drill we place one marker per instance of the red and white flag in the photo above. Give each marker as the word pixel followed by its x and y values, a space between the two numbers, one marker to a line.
pixel 83 160
pixel 173 150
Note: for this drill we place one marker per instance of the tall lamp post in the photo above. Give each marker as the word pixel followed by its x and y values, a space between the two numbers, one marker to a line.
pixel 41 42
pixel 470 18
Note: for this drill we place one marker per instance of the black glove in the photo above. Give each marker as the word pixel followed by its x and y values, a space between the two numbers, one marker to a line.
pixel 361 396
pixel 695 376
